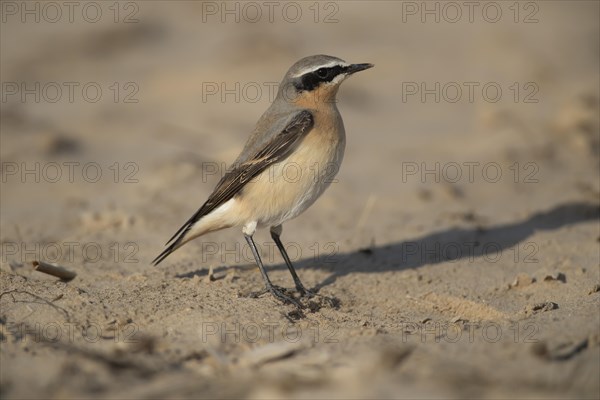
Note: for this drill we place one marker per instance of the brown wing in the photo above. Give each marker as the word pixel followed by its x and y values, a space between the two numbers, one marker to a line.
pixel 272 152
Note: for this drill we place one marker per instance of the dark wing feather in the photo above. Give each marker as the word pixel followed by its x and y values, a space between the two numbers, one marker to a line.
pixel 272 152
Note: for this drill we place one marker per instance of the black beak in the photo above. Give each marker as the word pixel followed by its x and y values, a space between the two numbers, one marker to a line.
pixel 358 67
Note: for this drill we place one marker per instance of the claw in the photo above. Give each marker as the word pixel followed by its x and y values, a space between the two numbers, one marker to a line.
pixel 283 298
pixel 278 293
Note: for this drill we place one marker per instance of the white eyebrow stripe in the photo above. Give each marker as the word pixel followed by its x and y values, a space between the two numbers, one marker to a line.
pixel 314 68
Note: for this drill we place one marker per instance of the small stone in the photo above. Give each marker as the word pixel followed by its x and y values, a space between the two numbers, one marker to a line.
pixel 559 276
pixel 543 307
pixel 522 280
pixel 595 289
pixel 540 349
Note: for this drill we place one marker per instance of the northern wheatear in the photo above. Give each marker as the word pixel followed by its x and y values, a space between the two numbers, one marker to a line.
pixel 302 128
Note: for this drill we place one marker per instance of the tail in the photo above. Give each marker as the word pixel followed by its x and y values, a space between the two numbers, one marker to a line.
pixel 206 219
pixel 177 240
pixel 165 253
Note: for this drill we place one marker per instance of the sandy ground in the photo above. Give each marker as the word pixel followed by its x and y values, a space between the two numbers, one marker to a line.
pixel 460 242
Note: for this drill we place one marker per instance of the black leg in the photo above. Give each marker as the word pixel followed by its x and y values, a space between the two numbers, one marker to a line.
pixel 275 234
pixel 268 284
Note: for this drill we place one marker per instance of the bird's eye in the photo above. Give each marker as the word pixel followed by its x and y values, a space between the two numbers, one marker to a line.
pixel 322 73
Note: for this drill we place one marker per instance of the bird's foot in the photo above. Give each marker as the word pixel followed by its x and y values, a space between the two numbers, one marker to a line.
pixel 279 293
pixel 304 292
pixel 322 300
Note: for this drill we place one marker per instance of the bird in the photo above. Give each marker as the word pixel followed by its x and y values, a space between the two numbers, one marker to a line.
pixel 301 128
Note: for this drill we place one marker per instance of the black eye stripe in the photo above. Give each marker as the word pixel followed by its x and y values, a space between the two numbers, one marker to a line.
pixel 311 80
pixel 330 72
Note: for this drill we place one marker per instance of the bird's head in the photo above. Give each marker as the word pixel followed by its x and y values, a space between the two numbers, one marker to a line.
pixel 315 80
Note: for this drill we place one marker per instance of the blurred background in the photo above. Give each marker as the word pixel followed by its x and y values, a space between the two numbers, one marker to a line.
pixel 170 87
pixel 117 119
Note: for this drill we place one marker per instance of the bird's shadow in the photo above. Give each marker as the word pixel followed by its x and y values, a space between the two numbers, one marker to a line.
pixel 452 244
